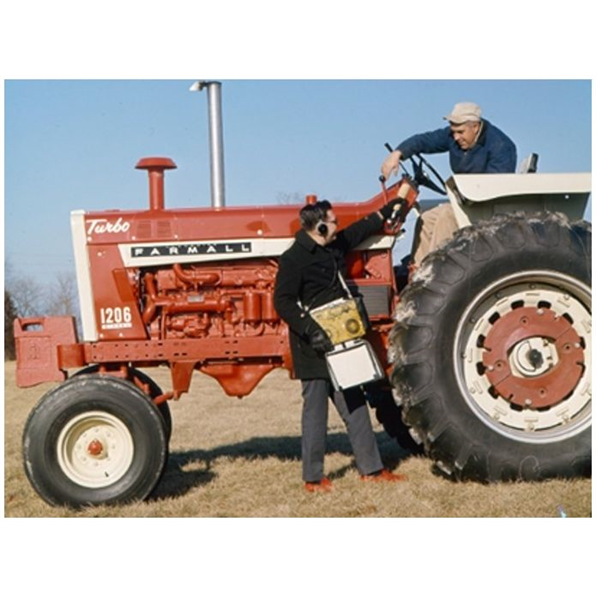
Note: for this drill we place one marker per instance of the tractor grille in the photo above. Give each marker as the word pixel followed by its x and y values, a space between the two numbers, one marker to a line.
pixel 144 229
pixel 152 230
pixel 376 298
pixel 164 228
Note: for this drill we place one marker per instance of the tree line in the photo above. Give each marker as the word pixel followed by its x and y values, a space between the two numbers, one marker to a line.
pixel 26 297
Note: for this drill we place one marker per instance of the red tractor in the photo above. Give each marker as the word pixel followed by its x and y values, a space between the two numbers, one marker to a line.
pixel 487 350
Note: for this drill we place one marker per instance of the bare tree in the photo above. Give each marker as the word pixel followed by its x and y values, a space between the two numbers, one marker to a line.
pixel 289 198
pixel 9 316
pixel 33 299
pixel 62 295
pixel 27 295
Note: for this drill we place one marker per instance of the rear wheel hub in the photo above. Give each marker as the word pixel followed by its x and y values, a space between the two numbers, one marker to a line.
pixel 533 358
pixel 524 346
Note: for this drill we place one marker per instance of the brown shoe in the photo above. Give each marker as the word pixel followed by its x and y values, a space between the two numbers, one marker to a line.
pixel 324 486
pixel 384 476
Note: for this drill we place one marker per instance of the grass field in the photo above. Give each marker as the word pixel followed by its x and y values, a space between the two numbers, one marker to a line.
pixel 241 458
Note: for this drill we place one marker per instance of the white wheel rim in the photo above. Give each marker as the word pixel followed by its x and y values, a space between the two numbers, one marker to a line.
pixel 565 296
pixel 95 449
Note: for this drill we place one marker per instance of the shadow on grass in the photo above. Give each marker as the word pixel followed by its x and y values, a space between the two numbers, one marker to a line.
pixel 178 479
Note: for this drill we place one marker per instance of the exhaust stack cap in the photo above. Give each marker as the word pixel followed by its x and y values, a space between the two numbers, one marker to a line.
pixel 198 85
pixel 155 167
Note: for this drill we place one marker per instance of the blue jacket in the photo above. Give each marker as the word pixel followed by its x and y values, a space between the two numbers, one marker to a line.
pixel 494 152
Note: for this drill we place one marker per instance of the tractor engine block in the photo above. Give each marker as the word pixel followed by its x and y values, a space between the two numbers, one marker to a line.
pixel 208 301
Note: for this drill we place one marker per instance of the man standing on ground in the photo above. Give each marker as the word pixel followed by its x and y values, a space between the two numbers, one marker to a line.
pixel 309 277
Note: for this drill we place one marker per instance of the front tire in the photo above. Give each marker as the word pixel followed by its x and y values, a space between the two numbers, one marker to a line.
pixel 492 351
pixel 94 440
pixel 153 391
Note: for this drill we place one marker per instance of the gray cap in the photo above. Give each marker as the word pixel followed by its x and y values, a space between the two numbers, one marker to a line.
pixel 464 112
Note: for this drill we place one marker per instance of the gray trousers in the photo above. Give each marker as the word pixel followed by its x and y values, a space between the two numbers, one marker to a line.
pixel 351 405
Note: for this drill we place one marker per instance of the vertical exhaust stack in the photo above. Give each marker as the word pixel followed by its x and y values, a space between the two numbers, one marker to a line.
pixel 156 166
pixel 218 198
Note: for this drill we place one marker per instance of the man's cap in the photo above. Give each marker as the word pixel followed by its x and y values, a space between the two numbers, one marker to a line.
pixel 464 112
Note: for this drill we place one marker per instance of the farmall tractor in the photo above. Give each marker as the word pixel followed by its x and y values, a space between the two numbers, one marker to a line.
pixel 486 351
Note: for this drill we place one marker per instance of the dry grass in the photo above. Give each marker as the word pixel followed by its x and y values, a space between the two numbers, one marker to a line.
pixel 241 458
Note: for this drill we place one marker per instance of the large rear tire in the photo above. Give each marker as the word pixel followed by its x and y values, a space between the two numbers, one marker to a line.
pixel 94 440
pixel 492 351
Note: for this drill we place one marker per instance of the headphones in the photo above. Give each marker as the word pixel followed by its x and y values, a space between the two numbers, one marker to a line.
pixel 313 215
pixel 323 229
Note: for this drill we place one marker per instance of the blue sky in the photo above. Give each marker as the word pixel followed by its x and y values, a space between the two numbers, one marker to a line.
pixel 74 144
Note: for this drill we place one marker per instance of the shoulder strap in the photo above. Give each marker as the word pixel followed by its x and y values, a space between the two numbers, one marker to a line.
pixel 344 284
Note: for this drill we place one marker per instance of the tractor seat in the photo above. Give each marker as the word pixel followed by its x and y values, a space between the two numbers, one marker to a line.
pixel 529 165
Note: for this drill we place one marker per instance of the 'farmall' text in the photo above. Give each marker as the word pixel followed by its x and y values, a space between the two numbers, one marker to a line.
pixel 190 249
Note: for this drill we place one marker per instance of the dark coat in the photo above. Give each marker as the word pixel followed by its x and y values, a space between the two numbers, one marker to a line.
pixel 494 152
pixel 307 278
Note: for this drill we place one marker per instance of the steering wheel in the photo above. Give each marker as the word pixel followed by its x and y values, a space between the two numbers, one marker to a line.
pixel 422 177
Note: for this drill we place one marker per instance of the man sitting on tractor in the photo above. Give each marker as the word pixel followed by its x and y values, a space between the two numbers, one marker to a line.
pixel 475 146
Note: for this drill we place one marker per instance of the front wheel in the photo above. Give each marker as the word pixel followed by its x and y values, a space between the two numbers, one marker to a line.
pixel 94 440
pixel 492 351
pixel 149 386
